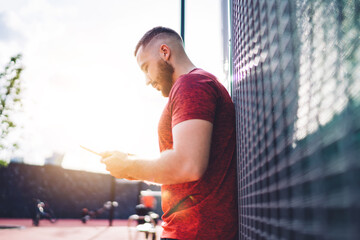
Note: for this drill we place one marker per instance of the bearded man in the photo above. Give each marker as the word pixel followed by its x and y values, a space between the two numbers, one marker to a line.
pixel 197 164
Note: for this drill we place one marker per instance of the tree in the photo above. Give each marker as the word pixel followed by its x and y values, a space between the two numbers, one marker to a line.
pixel 10 103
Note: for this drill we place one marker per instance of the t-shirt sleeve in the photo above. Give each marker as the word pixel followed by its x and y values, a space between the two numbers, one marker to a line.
pixel 193 100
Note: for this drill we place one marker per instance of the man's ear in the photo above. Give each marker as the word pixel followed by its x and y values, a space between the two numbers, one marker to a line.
pixel 164 52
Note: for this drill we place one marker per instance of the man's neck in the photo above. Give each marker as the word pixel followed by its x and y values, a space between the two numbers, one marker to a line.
pixel 183 69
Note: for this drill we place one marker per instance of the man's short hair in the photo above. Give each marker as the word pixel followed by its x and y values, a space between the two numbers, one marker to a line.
pixel 149 35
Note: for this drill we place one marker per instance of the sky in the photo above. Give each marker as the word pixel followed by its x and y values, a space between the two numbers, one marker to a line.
pixel 81 83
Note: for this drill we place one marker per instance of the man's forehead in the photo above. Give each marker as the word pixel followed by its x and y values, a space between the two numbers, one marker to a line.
pixel 139 54
pixel 147 51
pixel 143 56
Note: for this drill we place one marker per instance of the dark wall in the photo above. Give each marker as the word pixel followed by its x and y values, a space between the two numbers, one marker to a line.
pixel 66 191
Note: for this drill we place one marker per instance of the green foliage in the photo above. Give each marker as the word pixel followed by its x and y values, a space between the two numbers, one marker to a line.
pixel 3 163
pixel 10 101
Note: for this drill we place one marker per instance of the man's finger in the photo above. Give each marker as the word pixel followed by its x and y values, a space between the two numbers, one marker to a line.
pixel 106 154
pixel 89 150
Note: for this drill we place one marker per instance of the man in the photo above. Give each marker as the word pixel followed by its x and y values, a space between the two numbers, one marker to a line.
pixel 197 164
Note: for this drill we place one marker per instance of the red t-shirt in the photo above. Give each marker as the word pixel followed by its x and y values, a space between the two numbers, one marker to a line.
pixel 207 208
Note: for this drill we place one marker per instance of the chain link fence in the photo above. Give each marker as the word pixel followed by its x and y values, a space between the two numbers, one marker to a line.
pixel 296 88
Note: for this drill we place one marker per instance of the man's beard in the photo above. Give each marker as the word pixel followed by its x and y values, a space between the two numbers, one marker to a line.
pixel 164 78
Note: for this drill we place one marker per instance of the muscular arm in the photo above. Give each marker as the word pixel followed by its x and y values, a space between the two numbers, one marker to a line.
pixel 186 162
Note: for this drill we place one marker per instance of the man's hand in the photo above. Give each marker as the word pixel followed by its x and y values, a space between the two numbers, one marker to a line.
pixel 186 162
pixel 116 163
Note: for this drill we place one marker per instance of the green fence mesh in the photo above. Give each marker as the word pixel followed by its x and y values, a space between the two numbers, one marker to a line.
pixel 296 88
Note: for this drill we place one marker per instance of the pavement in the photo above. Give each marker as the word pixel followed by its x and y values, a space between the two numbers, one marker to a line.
pixel 72 229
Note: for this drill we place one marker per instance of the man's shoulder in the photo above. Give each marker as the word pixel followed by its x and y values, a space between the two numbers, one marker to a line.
pixel 193 85
pixel 195 79
pixel 203 73
pixel 197 74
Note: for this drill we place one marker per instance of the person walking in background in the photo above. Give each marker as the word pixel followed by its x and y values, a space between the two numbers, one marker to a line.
pixel 197 164
pixel 148 200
